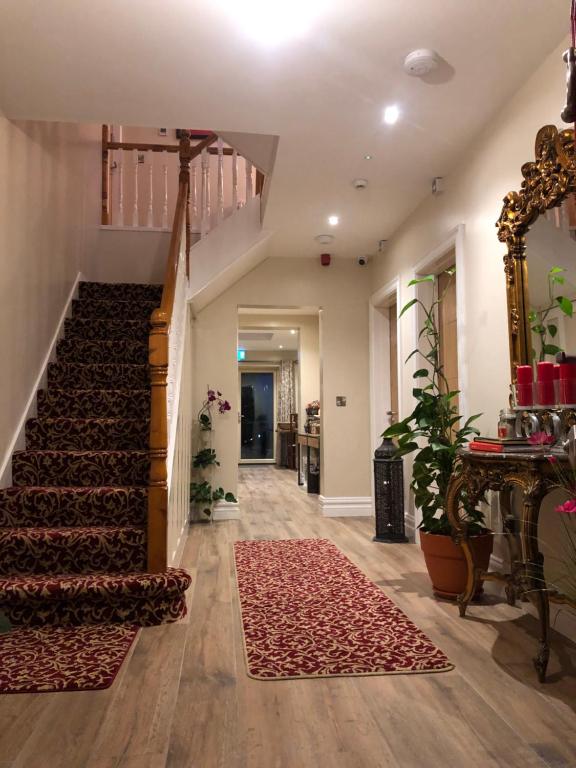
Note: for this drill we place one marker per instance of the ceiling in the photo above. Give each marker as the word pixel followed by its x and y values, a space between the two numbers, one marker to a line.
pixel 182 62
pixel 269 339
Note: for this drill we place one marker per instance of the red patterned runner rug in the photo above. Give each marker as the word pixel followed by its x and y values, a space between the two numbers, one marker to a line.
pixel 308 611
pixel 48 659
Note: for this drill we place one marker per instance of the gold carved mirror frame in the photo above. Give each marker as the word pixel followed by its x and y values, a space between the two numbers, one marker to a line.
pixel 548 180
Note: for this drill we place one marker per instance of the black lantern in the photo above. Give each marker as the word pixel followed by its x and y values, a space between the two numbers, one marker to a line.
pixel 389 494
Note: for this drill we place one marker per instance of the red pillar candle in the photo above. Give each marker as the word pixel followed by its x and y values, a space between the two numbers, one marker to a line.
pixel 567 383
pixel 524 385
pixel 556 382
pixel 546 384
pixel 524 374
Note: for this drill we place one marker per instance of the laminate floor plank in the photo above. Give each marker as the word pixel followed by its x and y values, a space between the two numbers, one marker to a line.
pixel 183 699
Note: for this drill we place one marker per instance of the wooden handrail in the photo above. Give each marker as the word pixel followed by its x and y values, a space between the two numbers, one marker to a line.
pixel 173 148
pixel 160 322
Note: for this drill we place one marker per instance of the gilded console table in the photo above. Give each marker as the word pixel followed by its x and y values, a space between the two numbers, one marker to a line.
pixel 534 475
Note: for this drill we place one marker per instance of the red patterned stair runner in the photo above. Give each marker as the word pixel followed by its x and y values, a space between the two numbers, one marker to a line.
pixel 73 525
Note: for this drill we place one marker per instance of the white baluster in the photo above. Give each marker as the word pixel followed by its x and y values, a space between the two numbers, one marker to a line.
pixel 120 187
pixel 234 180
pixel 194 222
pixel 150 216
pixel 205 213
pixel 165 206
pixel 248 180
pixel 220 208
pixel 135 206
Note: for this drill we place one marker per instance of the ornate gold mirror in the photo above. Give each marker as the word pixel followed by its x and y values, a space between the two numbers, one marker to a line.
pixel 538 225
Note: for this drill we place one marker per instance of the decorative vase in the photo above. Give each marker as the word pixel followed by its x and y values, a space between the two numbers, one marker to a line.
pixel 446 563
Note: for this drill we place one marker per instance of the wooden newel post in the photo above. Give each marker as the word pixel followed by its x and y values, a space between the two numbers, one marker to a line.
pixel 105 218
pixel 158 482
pixel 184 178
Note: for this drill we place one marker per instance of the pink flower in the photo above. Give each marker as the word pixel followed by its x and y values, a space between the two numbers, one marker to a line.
pixel 540 438
pixel 568 508
pixel 211 396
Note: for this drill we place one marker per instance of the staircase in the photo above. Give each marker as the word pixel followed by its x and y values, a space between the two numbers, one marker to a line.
pixel 73 546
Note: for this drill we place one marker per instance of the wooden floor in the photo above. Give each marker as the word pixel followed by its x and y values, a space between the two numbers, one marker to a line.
pixel 183 699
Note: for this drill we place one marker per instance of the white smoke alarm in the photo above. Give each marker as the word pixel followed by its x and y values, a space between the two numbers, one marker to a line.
pixel 421 62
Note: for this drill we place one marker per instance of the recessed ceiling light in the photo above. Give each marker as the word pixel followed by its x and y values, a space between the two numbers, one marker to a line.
pixel 367 157
pixel 391 114
pixel 333 220
pixel 292 332
pixel 273 23
pixel 280 346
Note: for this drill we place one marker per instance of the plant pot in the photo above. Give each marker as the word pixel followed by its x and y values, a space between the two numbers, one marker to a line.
pixel 446 563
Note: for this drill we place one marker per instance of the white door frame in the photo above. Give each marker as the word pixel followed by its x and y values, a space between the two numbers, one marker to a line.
pixel 380 374
pixel 433 262
pixel 258 368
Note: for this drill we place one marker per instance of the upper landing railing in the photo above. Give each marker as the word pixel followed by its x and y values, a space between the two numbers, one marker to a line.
pixel 139 182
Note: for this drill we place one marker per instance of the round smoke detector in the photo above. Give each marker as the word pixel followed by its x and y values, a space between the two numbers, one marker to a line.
pixel 421 62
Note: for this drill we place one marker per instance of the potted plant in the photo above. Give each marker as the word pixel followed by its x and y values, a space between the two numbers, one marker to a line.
pixel 434 434
pixel 202 494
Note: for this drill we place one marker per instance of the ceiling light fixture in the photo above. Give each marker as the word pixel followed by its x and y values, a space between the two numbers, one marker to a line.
pixel 273 23
pixel 391 114
pixel 280 346
pixel 333 220
pixel 367 157
pixel 293 332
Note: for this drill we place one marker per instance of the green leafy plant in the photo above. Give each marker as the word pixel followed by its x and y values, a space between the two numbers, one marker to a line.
pixel 432 430
pixel 541 326
pixel 202 493
pixel 205 458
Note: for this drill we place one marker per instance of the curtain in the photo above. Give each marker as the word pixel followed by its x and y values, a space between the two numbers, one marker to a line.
pixel 286 394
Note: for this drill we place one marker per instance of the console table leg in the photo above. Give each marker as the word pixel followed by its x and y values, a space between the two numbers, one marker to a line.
pixel 471 579
pixel 541 661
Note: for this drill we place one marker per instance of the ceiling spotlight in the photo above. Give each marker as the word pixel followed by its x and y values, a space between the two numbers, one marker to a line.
pixel 280 346
pixel 367 157
pixel 391 114
pixel 333 220
pixel 293 332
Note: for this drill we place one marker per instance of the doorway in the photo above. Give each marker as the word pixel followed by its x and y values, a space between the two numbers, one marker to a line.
pixel 257 416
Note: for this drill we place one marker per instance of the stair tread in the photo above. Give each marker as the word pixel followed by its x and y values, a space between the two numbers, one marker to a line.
pixel 62 584
pixel 47 451
pixel 77 489
pixel 87 421
pixel 67 530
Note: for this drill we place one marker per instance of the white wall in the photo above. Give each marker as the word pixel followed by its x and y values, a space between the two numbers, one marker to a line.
pixel 341 291
pixel 124 256
pixel 473 197
pixel 46 222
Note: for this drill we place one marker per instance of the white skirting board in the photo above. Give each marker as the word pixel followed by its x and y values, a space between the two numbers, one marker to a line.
pixel 226 510
pixel 346 506
pixel 18 440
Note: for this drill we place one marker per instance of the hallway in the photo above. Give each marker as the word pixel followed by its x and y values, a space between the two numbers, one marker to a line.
pixel 183 699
